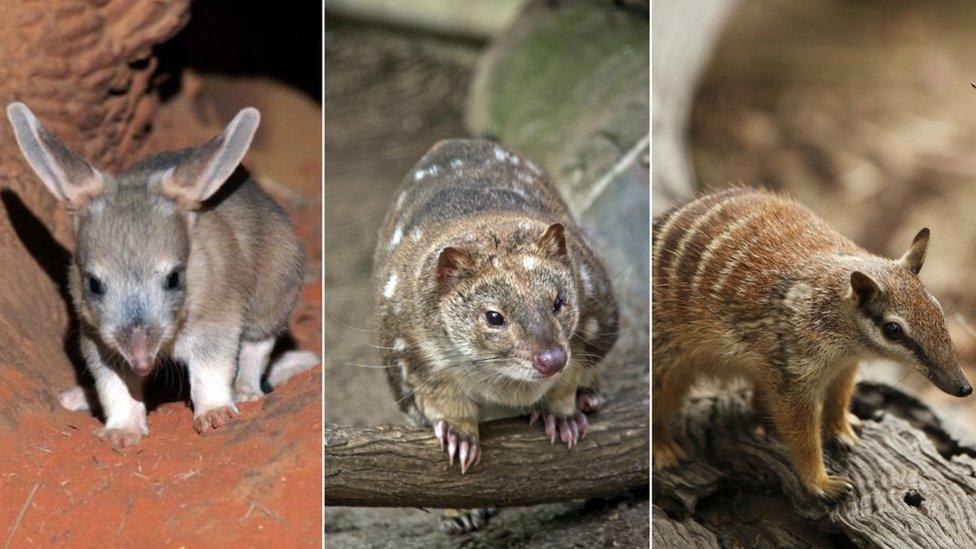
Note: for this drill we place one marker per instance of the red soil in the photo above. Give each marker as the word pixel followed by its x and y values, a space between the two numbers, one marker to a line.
pixel 256 482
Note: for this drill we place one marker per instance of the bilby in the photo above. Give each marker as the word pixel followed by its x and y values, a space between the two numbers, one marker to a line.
pixel 751 284
pixel 175 258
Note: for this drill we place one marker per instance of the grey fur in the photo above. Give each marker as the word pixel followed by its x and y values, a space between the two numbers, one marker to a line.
pixel 231 249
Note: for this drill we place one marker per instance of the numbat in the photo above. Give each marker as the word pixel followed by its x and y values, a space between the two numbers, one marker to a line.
pixel 173 260
pixel 749 284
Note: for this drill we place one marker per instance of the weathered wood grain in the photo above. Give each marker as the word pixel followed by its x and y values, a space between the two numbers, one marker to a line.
pixel 394 466
pixel 915 484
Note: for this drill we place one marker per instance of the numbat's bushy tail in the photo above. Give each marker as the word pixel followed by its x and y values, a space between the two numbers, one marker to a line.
pixel 750 284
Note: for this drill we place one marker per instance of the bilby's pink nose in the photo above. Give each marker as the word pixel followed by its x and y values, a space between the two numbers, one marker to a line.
pixel 139 351
pixel 549 361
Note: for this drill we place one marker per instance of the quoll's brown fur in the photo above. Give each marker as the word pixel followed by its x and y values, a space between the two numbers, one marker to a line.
pixel 750 284
pixel 476 229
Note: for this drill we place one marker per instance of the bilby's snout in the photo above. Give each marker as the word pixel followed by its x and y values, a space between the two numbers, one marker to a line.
pixel 135 346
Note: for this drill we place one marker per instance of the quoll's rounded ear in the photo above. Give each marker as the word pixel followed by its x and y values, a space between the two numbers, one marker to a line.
pixel 552 243
pixel 203 172
pixel 863 287
pixel 65 174
pixel 452 266
pixel 915 256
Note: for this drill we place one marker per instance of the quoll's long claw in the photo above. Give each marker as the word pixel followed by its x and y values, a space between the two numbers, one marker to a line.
pixel 463 456
pixel 452 444
pixel 440 431
pixel 550 421
pixel 583 423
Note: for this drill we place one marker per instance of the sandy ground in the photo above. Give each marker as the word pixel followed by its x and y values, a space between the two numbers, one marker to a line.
pixel 256 482
pixel 388 99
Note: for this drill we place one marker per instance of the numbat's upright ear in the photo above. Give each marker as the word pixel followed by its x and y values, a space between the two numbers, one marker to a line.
pixel 915 256
pixel 208 167
pixel 68 176
pixel 452 266
pixel 552 243
pixel 863 287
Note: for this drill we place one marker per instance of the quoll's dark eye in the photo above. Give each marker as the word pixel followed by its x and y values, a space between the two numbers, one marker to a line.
pixel 494 318
pixel 172 280
pixel 893 331
pixel 95 286
pixel 558 305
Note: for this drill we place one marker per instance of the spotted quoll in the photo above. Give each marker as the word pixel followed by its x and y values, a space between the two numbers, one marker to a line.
pixel 489 300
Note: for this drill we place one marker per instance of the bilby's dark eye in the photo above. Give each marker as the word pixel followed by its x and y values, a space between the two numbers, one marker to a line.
pixel 173 280
pixel 95 286
pixel 558 305
pixel 893 331
pixel 494 318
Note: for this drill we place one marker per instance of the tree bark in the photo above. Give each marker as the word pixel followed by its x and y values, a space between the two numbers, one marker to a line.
pixel 394 466
pixel 914 481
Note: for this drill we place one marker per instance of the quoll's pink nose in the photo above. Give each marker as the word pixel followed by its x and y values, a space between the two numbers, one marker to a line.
pixel 549 361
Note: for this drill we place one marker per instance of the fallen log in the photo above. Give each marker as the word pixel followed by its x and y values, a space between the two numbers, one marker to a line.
pixel 396 466
pixel 915 481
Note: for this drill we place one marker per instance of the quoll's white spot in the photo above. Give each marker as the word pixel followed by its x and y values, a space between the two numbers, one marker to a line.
pixel 529 262
pixel 499 153
pixel 591 328
pixel 397 237
pixel 587 280
pixel 457 163
pixel 416 234
pixel 400 199
pixel 403 369
pixel 390 288
pixel 419 174
pixel 399 345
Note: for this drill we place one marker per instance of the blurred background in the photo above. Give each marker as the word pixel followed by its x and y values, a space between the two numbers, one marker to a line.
pixel 861 109
pixel 566 84
pixel 118 80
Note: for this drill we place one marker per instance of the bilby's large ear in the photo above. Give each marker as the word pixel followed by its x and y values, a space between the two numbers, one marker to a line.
pixel 452 266
pixel 552 243
pixel 915 256
pixel 199 176
pixel 863 287
pixel 68 176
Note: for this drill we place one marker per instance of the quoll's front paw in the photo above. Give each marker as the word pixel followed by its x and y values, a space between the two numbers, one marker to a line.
pixel 213 419
pixel 589 400
pixel 459 443
pixel 569 429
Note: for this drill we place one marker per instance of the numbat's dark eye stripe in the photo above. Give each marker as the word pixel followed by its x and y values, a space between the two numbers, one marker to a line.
pixel 494 318
pixel 893 331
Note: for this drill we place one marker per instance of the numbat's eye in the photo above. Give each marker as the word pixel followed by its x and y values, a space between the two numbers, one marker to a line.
pixel 558 305
pixel 95 286
pixel 893 331
pixel 173 280
pixel 494 318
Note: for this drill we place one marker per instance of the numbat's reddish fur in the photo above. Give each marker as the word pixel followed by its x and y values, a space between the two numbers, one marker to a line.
pixel 488 297
pixel 750 284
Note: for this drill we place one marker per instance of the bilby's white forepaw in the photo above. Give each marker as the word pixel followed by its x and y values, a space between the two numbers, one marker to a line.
pixel 74 399
pixel 215 418
pixel 289 365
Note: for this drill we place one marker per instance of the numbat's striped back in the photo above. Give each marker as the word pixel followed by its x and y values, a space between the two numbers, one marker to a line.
pixel 724 254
